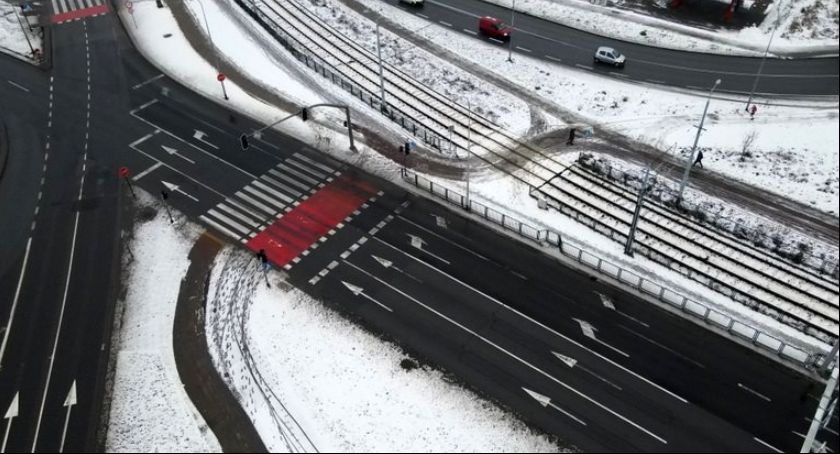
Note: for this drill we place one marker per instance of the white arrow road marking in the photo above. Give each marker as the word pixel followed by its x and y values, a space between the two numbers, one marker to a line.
pixel 609 305
pixel 589 331
pixel 358 291
pixel 441 221
pixel 11 414
pixel 389 264
pixel 200 135
pixel 173 151
pixel 175 188
pixel 546 402
pixel 521 361
pixel 571 362
pixel 418 243
pixel 68 402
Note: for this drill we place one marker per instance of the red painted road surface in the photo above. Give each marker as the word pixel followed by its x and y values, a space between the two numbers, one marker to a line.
pixel 79 13
pixel 298 229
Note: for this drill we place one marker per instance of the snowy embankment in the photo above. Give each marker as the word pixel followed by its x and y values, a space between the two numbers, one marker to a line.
pixel 15 35
pixel 150 410
pixel 804 26
pixel 308 377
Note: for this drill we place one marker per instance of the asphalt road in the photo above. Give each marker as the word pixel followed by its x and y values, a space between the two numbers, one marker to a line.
pixel 549 41
pixel 488 310
pixel 60 198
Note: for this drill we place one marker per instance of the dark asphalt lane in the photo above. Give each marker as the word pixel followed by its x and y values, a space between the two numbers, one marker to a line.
pixel 641 378
pixel 570 47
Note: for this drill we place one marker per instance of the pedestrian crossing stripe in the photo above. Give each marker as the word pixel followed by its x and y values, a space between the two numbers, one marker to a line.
pixel 68 10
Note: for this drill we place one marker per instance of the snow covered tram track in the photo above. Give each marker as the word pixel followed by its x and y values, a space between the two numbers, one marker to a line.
pixel 409 97
pixel 763 261
pixel 601 210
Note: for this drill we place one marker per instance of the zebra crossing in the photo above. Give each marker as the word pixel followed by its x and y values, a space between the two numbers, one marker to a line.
pixel 67 10
pixel 257 205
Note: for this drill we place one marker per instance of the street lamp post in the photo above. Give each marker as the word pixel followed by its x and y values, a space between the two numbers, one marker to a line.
pixel 381 77
pixel 510 38
pixel 215 49
pixel 690 161
pixel 764 58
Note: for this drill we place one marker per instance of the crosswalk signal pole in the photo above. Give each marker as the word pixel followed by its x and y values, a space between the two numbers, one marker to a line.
pixel 628 247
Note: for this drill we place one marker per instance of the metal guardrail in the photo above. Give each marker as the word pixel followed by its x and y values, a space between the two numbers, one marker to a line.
pixel 548 237
pixel 329 72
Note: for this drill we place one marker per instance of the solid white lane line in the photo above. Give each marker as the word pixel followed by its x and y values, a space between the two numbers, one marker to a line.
pixel 18 86
pixel 753 392
pixel 513 356
pixel 668 349
pixel 180 173
pixel 141 140
pixel 541 325
pixel 146 172
pixel 15 302
pixel 767 444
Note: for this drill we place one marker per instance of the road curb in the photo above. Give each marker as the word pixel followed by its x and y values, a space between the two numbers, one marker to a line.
pixel 202 382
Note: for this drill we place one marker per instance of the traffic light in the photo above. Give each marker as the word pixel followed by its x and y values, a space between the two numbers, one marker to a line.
pixel 243 139
pixel 304 115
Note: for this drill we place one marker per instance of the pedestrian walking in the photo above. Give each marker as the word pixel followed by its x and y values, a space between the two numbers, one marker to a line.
pixel 571 140
pixel 699 160
pixel 752 112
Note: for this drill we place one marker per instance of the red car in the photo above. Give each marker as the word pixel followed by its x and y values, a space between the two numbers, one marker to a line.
pixel 494 28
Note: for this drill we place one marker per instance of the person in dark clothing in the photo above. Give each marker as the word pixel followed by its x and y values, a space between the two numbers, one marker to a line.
pixel 571 140
pixel 699 160
pixel 752 111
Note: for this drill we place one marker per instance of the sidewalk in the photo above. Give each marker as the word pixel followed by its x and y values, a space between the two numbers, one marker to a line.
pixel 202 382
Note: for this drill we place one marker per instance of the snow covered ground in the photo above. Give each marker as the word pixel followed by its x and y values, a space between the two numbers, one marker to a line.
pixel 13 34
pixel 796 148
pixel 307 376
pixel 150 411
pixel 804 26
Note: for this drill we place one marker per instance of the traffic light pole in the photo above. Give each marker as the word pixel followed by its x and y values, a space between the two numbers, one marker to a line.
pixel 304 115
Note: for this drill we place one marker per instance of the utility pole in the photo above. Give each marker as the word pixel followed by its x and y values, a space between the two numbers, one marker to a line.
pixel 764 58
pixel 628 247
pixel 821 412
pixel 381 76
pixel 510 38
pixel 469 153
pixel 690 161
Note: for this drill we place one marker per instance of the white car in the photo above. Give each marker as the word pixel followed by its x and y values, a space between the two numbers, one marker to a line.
pixel 610 56
pixel 412 2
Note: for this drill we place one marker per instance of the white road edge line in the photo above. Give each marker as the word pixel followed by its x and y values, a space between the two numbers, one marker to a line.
pixel 524 49
pixel 148 81
pixel 445 23
pixel 18 86
pixel 554 58
pixel 147 171
pixel 506 352
pixel 556 333
pixel 472 32
pixel 15 301
pixel 767 444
